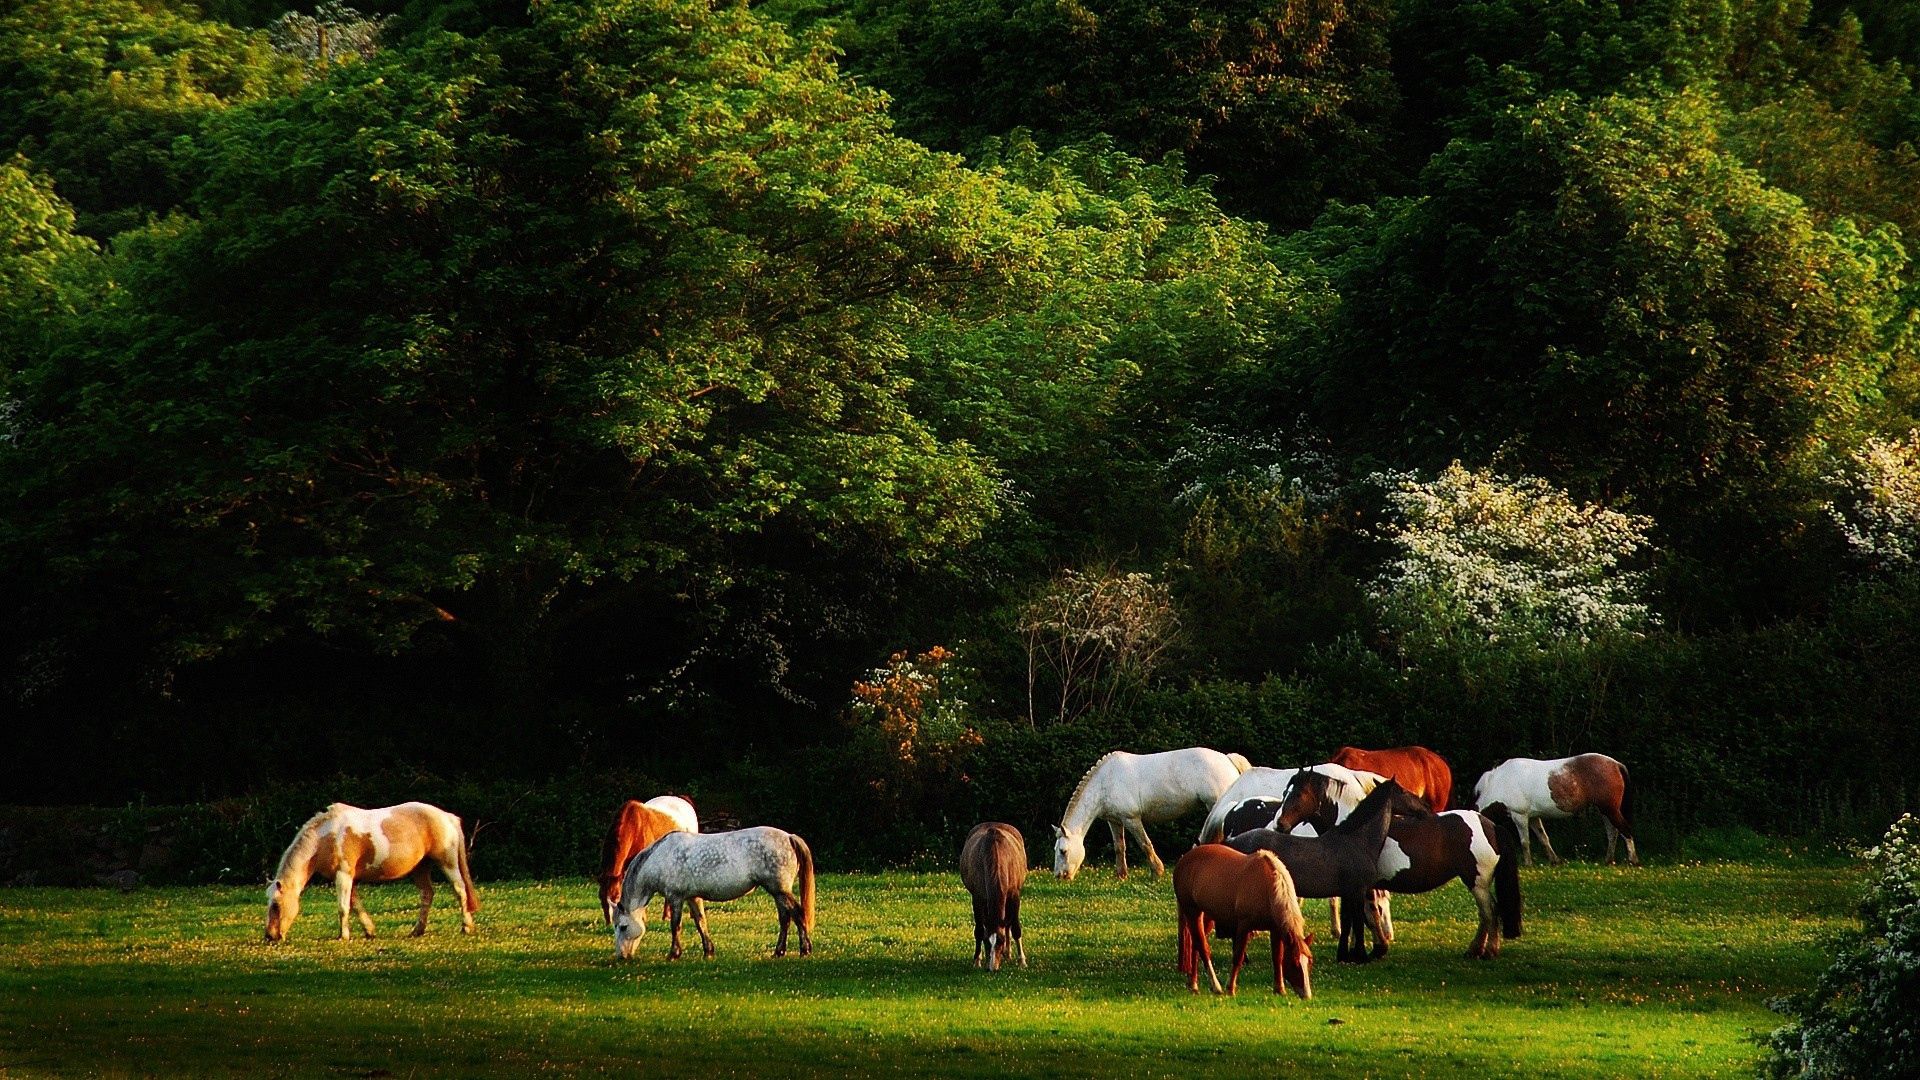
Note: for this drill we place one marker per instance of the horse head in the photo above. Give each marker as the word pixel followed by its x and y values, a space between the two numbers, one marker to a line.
pixel 1069 851
pixel 629 926
pixel 283 906
pixel 1296 965
pixel 1307 798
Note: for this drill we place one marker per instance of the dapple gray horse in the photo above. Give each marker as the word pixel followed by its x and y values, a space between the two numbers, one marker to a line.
pixel 690 869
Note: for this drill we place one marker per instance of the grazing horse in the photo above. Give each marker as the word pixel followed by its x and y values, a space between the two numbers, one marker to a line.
pixel 351 845
pixel 692 868
pixel 993 865
pixel 636 826
pixel 1261 782
pixel 1418 769
pixel 1343 862
pixel 1236 896
pixel 1534 790
pixel 1425 850
pixel 1314 801
pixel 1129 791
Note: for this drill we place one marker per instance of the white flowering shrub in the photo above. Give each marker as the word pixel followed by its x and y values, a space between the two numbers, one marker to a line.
pixel 1507 557
pixel 1862 1019
pixel 1877 501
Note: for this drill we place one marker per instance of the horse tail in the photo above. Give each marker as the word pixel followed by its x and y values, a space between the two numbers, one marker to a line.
pixel 466 872
pixel 1215 827
pixel 610 848
pixel 1506 872
pixel 805 854
pixel 1626 802
pixel 1240 762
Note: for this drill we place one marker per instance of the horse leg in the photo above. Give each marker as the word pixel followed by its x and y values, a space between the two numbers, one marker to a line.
pixel 360 910
pixel 1383 905
pixel 673 919
pixel 1333 916
pixel 1613 835
pixel 1119 849
pixel 1540 826
pixel 343 885
pixel 424 882
pixel 1377 918
pixel 789 912
pixel 1239 958
pixel 1617 825
pixel 1201 935
pixel 979 935
pixel 1139 830
pixel 1279 956
pixel 1013 927
pixel 1525 825
pixel 450 869
pixel 699 907
pixel 1486 943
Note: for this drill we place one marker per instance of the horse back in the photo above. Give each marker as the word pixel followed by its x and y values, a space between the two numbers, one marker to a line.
pixel 390 843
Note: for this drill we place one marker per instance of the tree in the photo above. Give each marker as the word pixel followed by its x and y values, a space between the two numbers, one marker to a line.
pixel 491 333
pixel 1602 296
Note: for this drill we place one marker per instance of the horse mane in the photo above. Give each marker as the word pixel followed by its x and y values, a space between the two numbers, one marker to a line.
pixel 1081 788
pixel 1377 803
pixel 304 841
pixel 1284 899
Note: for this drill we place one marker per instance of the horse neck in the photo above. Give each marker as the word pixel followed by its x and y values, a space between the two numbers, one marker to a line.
pixel 1087 802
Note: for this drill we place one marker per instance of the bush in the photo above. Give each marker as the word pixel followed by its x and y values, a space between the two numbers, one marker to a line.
pixel 1862 1019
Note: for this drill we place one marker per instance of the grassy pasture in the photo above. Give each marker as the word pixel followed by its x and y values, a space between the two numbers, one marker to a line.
pixel 1654 972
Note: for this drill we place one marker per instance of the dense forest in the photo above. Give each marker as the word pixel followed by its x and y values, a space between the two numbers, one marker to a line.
pixel 864 413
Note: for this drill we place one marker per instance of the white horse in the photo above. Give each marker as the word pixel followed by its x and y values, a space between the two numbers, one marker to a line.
pixel 351 845
pixel 677 808
pixel 1260 782
pixel 1127 791
pixel 691 869
pixel 1534 790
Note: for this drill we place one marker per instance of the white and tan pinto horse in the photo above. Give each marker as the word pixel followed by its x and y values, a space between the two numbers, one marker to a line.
pixel 692 868
pixel 1533 790
pixel 1127 791
pixel 679 809
pixel 351 845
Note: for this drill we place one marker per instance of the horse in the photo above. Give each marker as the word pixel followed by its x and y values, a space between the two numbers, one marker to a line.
pixel 1425 850
pixel 1236 896
pixel 1343 862
pixel 351 845
pixel 1127 791
pixel 993 865
pixel 1314 800
pixel 1259 812
pixel 1533 790
pixel 637 825
pixel 1262 782
pixel 1419 770
pixel 692 868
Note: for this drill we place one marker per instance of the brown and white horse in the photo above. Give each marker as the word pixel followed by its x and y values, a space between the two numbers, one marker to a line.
pixel 1219 890
pixel 636 827
pixel 351 845
pixel 1533 790
pixel 993 866
pixel 1418 769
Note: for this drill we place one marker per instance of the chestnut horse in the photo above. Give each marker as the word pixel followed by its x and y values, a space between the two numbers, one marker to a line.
pixel 351 845
pixel 993 865
pixel 1419 770
pixel 634 829
pixel 1219 890
pixel 1533 790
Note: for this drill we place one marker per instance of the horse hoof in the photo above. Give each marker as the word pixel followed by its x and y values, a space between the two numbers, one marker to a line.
pixel 421 931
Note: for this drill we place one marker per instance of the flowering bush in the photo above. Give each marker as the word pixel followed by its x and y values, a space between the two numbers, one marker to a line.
pixel 904 704
pixel 1099 634
pixel 1862 1019
pixel 1507 557
pixel 1877 501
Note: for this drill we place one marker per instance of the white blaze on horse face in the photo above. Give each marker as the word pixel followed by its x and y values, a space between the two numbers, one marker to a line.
pixel 1393 859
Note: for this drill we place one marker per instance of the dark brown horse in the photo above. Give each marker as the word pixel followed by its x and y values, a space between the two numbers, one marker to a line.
pixel 1340 863
pixel 1425 850
pixel 993 864
pixel 1418 769
pixel 1221 891
pixel 634 830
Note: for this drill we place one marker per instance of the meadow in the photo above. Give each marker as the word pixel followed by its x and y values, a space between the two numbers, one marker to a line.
pixel 1662 971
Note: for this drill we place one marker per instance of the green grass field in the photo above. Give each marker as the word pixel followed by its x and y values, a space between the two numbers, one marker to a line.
pixel 1655 972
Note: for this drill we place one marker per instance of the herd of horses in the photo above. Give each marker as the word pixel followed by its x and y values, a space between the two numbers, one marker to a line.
pixel 1353 830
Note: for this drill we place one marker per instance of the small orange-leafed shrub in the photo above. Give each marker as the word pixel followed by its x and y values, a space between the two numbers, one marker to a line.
pixel 910 725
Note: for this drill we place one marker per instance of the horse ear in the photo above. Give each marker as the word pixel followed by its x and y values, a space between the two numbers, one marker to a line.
pixel 1057 833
